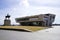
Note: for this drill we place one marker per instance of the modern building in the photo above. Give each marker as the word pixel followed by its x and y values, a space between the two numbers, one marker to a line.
pixel 39 20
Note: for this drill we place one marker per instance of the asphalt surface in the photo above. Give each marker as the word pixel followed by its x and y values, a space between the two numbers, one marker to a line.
pixel 46 34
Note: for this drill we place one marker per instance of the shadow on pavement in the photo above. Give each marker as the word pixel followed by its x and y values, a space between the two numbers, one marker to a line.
pixel 22 30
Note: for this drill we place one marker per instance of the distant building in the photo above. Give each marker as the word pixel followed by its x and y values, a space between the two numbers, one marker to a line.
pixel 39 20
pixel 7 21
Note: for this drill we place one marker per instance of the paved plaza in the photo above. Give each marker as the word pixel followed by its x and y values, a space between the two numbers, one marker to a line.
pixel 46 34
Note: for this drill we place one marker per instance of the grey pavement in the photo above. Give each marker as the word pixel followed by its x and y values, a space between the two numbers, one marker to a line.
pixel 46 34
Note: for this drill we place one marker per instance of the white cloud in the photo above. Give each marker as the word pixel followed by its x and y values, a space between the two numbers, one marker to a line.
pixel 24 3
pixel 49 3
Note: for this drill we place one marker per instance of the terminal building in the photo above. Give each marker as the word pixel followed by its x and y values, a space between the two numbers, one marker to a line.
pixel 37 20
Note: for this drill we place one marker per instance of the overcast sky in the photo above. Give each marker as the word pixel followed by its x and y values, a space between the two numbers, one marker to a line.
pixel 19 8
